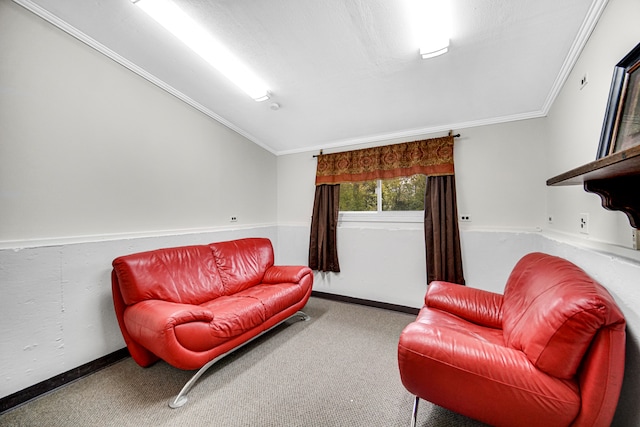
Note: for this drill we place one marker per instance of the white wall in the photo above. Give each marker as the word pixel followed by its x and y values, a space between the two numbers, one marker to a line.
pixel 96 162
pixel 89 148
pixel 574 122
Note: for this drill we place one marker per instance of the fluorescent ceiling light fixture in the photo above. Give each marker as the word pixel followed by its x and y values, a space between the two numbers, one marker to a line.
pixel 171 17
pixel 431 24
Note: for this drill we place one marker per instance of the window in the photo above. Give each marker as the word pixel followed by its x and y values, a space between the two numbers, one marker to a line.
pixel 383 195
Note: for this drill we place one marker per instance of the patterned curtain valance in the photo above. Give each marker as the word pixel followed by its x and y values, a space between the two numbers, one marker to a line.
pixel 431 157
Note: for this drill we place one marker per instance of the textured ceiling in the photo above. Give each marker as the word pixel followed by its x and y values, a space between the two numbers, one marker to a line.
pixel 346 71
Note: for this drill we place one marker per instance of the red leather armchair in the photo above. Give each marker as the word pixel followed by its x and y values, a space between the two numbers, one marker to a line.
pixel 549 352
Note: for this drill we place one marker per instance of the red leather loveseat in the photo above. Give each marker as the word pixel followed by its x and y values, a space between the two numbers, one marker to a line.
pixel 549 352
pixel 192 305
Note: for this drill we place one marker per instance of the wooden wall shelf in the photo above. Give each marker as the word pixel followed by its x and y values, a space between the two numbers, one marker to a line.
pixel 615 178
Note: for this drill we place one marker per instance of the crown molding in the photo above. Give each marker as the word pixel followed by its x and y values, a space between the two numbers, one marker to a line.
pixel 79 35
pixel 413 133
pixel 591 20
pixel 588 25
pixel 593 15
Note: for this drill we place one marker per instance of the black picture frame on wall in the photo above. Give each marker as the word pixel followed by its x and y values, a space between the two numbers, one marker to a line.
pixel 621 127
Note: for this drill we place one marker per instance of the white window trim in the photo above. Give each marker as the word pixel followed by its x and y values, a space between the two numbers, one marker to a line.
pixel 381 216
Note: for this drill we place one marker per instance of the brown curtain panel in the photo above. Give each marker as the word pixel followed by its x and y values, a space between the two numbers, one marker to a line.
pixel 323 248
pixel 441 233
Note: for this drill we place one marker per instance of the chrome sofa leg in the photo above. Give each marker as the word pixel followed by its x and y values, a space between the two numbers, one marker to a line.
pixel 303 316
pixel 414 416
pixel 181 398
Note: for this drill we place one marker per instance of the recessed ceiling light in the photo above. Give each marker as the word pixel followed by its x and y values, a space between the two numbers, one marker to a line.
pixel 171 17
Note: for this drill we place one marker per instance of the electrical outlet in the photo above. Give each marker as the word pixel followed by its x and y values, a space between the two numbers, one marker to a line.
pixel 234 219
pixel 465 218
pixel 583 81
pixel 550 219
pixel 584 223
pixel 635 239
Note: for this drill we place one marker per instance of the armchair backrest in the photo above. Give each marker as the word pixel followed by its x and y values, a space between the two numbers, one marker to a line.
pixel 552 310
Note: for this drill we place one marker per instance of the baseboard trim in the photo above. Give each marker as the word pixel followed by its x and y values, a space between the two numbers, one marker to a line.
pixel 369 303
pixel 46 386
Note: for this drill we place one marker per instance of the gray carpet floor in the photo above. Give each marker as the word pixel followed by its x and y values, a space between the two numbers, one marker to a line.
pixel 337 369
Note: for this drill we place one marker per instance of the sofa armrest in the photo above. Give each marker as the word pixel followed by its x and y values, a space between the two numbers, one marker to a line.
pixel 285 274
pixel 472 304
pixel 157 315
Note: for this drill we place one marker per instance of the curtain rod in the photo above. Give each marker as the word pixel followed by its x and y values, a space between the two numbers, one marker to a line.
pixel 457 135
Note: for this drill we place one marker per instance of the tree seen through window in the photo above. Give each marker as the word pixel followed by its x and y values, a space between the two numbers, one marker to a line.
pixel 397 194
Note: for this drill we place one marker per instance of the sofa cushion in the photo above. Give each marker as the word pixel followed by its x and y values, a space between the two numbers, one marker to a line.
pixel 242 263
pixel 186 275
pixel 552 310
pixel 233 316
pixel 236 314
pixel 276 298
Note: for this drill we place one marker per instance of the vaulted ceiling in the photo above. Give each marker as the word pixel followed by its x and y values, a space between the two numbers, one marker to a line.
pixel 347 71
